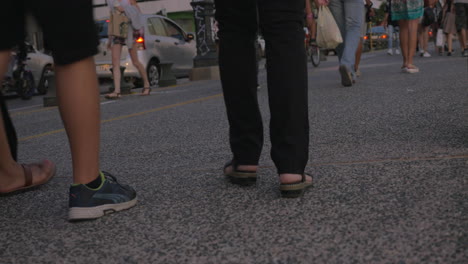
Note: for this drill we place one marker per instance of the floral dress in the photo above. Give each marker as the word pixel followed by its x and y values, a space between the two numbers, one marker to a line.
pixel 407 9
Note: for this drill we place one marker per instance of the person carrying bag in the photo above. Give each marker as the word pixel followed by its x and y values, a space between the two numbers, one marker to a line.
pixel 328 33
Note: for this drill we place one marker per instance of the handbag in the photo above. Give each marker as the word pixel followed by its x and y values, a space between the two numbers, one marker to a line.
pixel 328 33
pixel 118 24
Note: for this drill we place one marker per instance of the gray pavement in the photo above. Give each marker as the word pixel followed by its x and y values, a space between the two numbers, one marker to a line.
pixel 389 156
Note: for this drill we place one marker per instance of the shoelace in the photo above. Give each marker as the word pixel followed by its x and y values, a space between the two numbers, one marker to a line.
pixel 110 177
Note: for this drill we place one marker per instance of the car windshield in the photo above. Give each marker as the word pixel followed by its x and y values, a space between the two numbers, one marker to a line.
pixel 101 26
pixel 378 29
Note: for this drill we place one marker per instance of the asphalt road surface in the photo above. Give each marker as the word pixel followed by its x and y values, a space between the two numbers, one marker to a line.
pixel 389 156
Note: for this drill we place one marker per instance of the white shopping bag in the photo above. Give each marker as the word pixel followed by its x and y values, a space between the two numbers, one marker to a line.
pixel 440 38
pixel 328 33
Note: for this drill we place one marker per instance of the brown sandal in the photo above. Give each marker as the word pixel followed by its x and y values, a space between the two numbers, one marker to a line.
pixel 112 96
pixel 28 177
pixel 143 92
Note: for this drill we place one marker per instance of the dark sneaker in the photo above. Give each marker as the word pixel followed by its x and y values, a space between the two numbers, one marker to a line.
pixel 111 196
pixel 346 78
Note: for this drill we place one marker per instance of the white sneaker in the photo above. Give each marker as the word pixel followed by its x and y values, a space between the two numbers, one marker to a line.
pixel 390 52
pixel 426 54
pixel 397 52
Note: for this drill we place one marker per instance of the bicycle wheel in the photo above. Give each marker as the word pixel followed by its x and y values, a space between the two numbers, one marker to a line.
pixel 308 52
pixel 25 85
pixel 315 55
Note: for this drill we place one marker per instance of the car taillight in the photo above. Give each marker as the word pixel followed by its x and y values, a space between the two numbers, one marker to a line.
pixel 384 36
pixel 107 21
pixel 366 37
pixel 141 43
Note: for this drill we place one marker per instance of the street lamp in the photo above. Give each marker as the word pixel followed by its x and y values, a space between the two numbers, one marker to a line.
pixel 205 64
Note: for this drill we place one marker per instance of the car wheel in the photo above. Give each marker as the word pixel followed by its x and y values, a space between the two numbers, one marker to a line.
pixel 153 71
pixel 43 86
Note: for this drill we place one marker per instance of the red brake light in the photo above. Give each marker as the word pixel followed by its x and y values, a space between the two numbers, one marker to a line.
pixel 140 40
pixel 107 21
pixel 366 37
pixel 384 36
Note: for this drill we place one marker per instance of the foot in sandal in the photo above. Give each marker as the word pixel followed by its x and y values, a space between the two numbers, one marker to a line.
pixel 240 174
pixel 294 185
pixel 112 96
pixel 24 176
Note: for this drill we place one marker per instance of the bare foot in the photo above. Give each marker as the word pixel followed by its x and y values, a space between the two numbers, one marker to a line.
pixel 14 177
pixel 287 178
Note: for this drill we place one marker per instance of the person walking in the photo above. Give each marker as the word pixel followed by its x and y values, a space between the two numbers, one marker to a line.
pixel 426 22
pixel 449 26
pixel 407 13
pixel 461 21
pixel 73 45
pixel 366 19
pixel 392 28
pixel 348 15
pixel 281 23
pixel 126 35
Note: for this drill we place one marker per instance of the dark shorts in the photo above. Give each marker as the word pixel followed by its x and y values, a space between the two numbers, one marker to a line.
pixel 118 40
pixel 461 19
pixel 68 27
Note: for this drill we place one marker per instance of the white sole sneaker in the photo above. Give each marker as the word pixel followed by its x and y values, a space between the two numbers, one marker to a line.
pixel 85 213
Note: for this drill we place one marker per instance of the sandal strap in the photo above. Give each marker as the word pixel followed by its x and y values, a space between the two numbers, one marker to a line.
pixel 235 166
pixel 27 175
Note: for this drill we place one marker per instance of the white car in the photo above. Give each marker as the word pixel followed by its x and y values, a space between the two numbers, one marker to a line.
pixel 163 42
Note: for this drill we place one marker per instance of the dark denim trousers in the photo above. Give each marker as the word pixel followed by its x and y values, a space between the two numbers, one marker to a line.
pixel 9 128
pixel 281 24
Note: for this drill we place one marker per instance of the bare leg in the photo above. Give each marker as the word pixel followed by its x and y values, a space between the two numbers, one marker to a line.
pixel 462 38
pixel 116 51
pixel 412 39
pixel 449 42
pixel 11 172
pixel 420 38
pixel 141 69
pixel 404 38
pixel 78 95
pixel 425 38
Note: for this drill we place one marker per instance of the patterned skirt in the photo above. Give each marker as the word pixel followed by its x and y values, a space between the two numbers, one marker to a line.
pixel 407 9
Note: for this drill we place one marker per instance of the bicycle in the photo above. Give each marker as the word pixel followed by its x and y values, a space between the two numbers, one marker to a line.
pixel 19 78
pixel 313 52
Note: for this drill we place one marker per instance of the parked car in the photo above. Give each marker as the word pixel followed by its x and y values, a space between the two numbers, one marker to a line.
pixel 39 64
pixel 377 37
pixel 163 41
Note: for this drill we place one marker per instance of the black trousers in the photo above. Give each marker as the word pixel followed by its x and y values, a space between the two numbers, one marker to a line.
pixel 281 24
pixel 9 128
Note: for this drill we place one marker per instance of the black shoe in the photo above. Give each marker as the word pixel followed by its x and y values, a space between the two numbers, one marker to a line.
pixel 86 203
pixel 346 78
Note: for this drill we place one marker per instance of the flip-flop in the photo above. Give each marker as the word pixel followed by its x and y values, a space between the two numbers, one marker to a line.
pixel 240 177
pixel 294 190
pixel 113 96
pixel 29 177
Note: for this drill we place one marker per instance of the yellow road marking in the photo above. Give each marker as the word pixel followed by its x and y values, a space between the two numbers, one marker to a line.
pixel 12 114
pixel 32 111
pixel 129 116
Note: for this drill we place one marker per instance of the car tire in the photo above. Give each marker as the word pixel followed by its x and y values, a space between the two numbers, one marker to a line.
pixel 43 86
pixel 153 70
